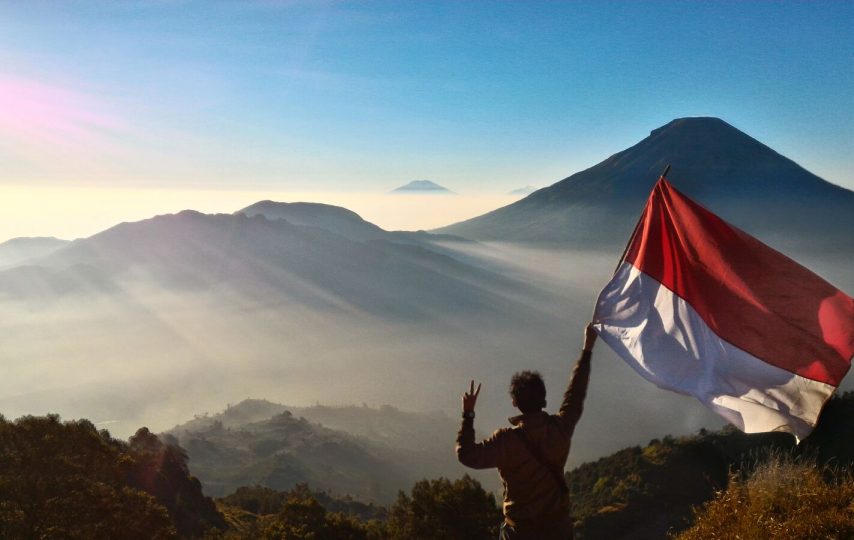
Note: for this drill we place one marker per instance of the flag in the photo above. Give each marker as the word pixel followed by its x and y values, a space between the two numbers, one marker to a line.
pixel 700 307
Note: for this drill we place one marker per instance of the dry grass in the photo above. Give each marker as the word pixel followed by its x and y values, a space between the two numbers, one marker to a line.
pixel 783 499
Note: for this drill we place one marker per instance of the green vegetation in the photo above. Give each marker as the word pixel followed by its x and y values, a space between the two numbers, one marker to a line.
pixel 368 453
pixel 453 510
pixel 458 509
pixel 68 480
pixel 294 515
pixel 264 501
pixel 644 493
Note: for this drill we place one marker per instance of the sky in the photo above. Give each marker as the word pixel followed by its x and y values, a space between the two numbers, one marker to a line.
pixel 114 111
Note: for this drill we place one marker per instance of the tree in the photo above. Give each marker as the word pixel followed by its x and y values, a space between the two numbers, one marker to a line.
pixel 67 480
pixel 461 509
pixel 303 518
pixel 161 469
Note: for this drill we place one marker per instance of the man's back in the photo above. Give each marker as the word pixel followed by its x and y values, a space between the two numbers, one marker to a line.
pixel 532 494
pixel 530 489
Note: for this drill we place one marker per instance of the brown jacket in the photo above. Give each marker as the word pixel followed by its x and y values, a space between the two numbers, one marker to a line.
pixel 530 491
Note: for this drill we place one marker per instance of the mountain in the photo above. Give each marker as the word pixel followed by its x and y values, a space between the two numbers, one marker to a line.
pixel 148 316
pixel 343 222
pixel 19 250
pixel 334 219
pixel 370 454
pixel 527 190
pixel 272 260
pixel 724 169
pixel 421 186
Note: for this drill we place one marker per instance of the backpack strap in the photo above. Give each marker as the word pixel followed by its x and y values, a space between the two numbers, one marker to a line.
pixel 541 459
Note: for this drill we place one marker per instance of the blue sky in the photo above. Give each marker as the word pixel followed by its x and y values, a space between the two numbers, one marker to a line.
pixel 482 96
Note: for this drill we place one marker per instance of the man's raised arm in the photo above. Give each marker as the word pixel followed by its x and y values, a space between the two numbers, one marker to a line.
pixel 481 455
pixel 573 399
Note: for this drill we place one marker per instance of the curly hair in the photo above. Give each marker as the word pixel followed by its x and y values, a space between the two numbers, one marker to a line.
pixel 528 391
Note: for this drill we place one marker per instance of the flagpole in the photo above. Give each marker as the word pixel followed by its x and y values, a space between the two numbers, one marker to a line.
pixel 638 224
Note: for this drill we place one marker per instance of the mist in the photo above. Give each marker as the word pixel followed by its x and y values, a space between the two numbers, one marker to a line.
pixel 152 351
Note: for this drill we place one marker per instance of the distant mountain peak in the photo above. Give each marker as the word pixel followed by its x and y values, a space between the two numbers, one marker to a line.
pixel 700 121
pixel 713 162
pixel 421 186
pixel 699 125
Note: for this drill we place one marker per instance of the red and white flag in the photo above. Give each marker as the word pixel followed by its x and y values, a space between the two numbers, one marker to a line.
pixel 700 307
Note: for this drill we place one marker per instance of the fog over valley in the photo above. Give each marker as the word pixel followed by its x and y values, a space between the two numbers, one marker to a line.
pixel 139 350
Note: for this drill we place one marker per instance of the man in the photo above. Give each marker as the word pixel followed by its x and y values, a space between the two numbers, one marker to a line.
pixel 530 456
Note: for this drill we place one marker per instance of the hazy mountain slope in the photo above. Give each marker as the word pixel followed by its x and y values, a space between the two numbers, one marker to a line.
pixel 18 250
pixel 731 173
pixel 236 448
pixel 139 322
pixel 269 260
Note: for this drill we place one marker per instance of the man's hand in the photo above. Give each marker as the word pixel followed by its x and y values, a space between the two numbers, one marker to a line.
pixel 590 336
pixel 470 398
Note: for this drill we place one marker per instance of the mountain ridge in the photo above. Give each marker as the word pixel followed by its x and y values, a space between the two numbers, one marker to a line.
pixel 269 259
pixel 334 219
pixel 733 174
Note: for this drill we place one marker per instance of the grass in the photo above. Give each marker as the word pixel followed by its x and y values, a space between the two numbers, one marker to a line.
pixel 780 498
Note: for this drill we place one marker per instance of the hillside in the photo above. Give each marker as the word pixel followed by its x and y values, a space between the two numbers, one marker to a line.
pixel 367 453
pixel 384 425
pixel 72 480
pixel 272 260
pixel 641 493
pixel 723 168
pixel 283 451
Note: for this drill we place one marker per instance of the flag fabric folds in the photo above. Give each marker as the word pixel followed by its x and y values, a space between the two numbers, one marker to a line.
pixel 700 307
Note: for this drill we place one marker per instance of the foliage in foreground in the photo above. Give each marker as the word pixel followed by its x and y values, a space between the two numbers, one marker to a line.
pixel 783 499
pixel 458 509
pixel 68 480
pixel 441 508
pixel 263 501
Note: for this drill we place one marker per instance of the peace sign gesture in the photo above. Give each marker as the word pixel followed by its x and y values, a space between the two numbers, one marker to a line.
pixel 470 398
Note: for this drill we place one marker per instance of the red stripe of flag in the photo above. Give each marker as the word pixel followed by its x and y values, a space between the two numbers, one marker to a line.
pixel 749 294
